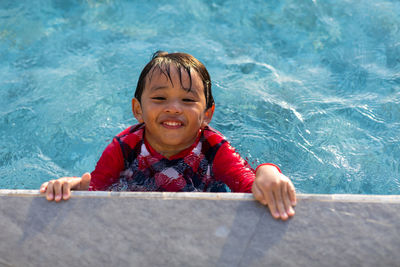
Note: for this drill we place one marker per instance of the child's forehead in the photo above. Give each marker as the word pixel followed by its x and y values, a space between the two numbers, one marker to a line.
pixel 171 74
pixel 169 70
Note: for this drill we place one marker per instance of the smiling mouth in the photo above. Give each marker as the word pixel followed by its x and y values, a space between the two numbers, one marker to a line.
pixel 172 124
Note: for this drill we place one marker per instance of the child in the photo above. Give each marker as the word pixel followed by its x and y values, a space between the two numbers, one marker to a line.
pixel 173 148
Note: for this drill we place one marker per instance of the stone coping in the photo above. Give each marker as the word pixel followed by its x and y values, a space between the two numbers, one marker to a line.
pixel 196 229
pixel 210 196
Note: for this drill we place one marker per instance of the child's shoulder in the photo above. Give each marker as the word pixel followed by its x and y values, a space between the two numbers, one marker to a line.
pixel 132 134
pixel 213 136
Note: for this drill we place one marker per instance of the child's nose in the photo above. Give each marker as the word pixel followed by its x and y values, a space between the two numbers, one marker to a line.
pixel 173 107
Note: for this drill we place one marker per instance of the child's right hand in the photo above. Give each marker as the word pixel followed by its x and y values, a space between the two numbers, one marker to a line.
pixel 61 188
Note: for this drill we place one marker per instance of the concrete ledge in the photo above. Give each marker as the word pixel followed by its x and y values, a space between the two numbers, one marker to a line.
pixel 196 229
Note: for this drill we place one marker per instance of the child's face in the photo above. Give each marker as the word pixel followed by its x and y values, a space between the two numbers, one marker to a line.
pixel 172 115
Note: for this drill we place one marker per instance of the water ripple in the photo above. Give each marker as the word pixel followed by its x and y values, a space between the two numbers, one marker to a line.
pixel 313 86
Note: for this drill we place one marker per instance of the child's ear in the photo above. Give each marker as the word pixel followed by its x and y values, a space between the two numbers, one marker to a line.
pixel 137 110
pixel 208 115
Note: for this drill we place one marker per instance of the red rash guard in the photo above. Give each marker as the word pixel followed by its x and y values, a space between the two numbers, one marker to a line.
pixel 129 163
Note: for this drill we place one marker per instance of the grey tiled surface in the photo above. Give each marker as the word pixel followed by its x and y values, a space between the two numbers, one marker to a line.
pixel 168 229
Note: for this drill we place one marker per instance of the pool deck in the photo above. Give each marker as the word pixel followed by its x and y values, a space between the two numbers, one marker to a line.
pixel 196 229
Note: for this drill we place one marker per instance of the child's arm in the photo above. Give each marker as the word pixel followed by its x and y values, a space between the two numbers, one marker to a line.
pixel 61 188
pixel 268 184
pixel 107 170
pixel 274 189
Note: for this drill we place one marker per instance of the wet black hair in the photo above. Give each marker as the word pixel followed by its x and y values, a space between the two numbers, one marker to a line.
pixel 183 62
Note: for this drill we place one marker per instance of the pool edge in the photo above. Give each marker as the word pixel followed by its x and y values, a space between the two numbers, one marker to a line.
pixel 211 196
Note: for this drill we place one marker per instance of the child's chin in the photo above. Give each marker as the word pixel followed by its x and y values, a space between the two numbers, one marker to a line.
pixel 174 141
pixel 170 127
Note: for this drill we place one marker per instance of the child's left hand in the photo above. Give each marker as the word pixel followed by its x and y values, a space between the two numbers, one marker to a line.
pixel 274 189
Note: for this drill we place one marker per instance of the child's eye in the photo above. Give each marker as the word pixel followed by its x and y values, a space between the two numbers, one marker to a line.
pixel 188 100
pixel 158 98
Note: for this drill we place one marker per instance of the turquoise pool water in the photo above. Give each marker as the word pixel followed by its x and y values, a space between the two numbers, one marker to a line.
pixel 313 86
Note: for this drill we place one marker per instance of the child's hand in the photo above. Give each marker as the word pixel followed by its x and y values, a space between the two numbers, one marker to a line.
pixel 274 189
pixel 61 188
